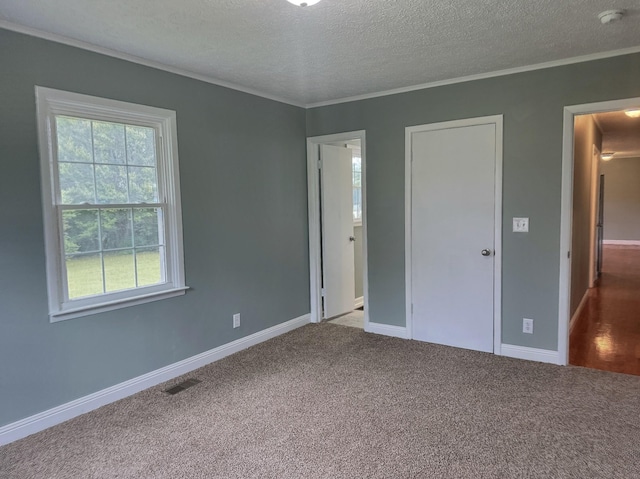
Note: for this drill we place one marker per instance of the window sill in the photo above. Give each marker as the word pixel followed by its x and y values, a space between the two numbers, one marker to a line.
pixel 357 223
pixel 72 313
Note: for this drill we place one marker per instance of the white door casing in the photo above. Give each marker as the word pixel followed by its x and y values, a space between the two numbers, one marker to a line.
pixel 454 213
pixel 337 230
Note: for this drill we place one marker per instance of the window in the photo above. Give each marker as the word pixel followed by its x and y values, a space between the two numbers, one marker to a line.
pixel 111 200
pixel 357 185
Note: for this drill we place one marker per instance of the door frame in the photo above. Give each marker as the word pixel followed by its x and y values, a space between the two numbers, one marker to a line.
pixel 566 210
pixel 593 215
pixel 315 233
pixel 497 120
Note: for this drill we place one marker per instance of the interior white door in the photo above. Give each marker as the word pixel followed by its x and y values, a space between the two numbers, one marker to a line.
pixel 337 230
pixel 452 237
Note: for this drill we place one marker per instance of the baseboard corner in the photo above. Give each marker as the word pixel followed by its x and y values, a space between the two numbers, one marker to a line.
pixel 530 354
pixel 387 330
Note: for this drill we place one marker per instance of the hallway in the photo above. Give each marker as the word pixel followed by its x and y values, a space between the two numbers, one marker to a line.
pixel 607 333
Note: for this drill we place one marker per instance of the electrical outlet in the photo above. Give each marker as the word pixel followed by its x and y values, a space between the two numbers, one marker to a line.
pixel 236 320
pixel 527 326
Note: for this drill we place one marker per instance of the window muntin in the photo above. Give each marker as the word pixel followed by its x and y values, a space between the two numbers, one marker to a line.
pixel 108 249
pixel 111 200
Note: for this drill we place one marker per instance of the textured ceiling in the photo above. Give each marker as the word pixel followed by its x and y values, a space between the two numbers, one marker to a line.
pixel 337 48
pixel 620 133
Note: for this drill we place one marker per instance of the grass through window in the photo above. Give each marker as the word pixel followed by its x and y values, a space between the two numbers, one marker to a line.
pixel 85 273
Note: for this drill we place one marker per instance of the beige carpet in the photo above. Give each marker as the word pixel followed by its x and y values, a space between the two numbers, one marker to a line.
pixel 326 401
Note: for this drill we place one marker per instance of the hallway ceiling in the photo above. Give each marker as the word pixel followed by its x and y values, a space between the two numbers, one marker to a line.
pixel 620 133
pixel 336 48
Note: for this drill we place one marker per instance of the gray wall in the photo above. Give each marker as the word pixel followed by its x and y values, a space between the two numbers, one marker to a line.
pixel 357 253
pixel 532 104
pixel 243 181
pixel 586 134
pixel 622 199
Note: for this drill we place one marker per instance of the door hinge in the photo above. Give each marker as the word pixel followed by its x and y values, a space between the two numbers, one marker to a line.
pixel 322 292
pixel 411 308
pixel 319 164
pixel 569 254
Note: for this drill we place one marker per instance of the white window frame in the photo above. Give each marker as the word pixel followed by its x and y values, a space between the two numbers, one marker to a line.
pixel 51 103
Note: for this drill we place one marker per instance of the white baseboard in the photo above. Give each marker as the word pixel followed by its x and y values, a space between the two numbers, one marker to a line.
pixel 622 242
pixel 530 354
pixel 38 422
pixel 576 315
pixel 359 302
pixel 387 330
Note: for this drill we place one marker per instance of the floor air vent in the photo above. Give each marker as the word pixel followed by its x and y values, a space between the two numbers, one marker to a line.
pixel 182 386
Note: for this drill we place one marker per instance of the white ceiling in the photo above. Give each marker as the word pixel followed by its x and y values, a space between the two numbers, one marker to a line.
pixel 337 48
pixel 620 133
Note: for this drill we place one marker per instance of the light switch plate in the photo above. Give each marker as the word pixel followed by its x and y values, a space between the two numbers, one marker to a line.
pixel 520 225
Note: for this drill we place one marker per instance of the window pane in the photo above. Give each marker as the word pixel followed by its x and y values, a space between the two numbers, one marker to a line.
pixel 149 263
pixel 80 231
pixel 111 184
pixel 119 270
pixel 146 224
pixel 143 185
pixel 84 275
pixel 74 139
pixel 357 186
pixel 108 142
pixel 76 183
pixel 141 148
pixel 116 229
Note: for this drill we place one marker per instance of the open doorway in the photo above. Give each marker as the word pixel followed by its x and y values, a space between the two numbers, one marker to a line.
pixel 337 229
pixel 603 297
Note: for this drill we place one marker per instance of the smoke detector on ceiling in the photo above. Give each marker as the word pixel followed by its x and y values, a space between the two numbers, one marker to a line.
pixel 611 16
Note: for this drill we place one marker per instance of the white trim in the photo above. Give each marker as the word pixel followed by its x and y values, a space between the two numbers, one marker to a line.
pixel 622 242
pixel 222 83
pixel 53 37
pixel 481 76
pixel 359 302
pixel 530 354
pixel 566 210
pixel 313 201
pixel 116 304
pixel 51 417
pixel 576 315
pixel 52 102
pixel 387 330
pixel 497 281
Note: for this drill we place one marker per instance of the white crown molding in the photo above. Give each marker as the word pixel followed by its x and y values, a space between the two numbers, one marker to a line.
pixel 54 37
pixel 7 25
pixel 51 417
pixel 481 76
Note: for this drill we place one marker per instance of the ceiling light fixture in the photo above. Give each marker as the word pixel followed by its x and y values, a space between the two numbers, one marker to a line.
pixel 303 3
pixel 607 155
pixel 608 16
pixel 634 113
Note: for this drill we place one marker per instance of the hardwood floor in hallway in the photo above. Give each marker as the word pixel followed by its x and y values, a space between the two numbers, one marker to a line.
pixel 607 333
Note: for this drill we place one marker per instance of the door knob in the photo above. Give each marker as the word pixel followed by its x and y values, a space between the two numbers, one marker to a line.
pixel 486 252
pixel 352 238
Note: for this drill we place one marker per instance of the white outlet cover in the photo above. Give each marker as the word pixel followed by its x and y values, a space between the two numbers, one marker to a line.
pixel 520 225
